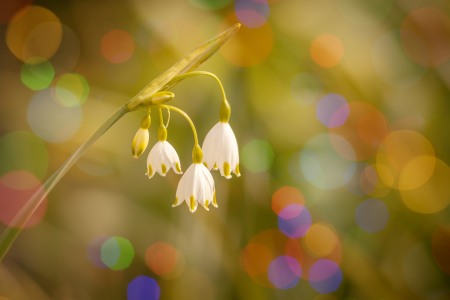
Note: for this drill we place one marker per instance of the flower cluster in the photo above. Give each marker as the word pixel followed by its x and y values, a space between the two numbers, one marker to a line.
pixel 220 152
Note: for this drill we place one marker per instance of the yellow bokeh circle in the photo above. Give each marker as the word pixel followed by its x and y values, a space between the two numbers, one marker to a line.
pixel 320 240
pixel 405 160
pixel 249 46
pixel 36 36
pixel 434 195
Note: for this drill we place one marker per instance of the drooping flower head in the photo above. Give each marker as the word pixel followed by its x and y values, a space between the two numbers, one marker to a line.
pixel 220 146
pixel 140 140
pixel 197 185
pixel 163 156
pixel 221 152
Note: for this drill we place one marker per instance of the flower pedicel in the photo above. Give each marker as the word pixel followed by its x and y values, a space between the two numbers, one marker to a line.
pixel 220 152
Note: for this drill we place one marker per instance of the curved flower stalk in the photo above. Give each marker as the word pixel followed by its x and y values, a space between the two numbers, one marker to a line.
pixel 153 95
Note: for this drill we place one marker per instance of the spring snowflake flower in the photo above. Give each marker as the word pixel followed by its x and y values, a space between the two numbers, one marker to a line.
pixel 220 146
pixel 163 156
pixel 197 185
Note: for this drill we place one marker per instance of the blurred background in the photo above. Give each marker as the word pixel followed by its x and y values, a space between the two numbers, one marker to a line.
pixel 341 112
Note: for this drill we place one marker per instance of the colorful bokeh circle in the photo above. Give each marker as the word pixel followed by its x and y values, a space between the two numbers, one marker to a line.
pixel 294 220
pixel 405 160
pixel 263 249
pixel 320 240
pixel 93 251
pixel 51 121
pixel 284 272
pixel 285 196
pixel 37 76
pixel 327 50
pixel 13 200
pixel 325 276
pixel 249 46
pixel 252 13
pixel 71 90
pixel 35 36
pixel 117 46
pixel 117 253
pixel 440 247
pixel 364 130
pixel 143 288
pixel 434 195
pixel 161 258
pixel 432 26
pixel 332 110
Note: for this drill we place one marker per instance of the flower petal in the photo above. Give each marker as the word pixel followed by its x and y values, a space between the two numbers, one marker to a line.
pixel 173 157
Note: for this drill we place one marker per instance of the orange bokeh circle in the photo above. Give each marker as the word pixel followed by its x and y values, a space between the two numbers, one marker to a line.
pixel 117 46
pixel 16 188
pixel 285 196
pixel 440 247
pixel 327 50
pixel 161 258
pixel 432 26
pixel 249 46
pixel 36 34
pixel 364 129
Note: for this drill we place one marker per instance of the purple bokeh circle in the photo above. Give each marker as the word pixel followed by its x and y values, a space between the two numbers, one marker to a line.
pixel 284 272
pixel 332 110
pixel 143 288
pixel 294 220
pixel 93 251
pixel 325 276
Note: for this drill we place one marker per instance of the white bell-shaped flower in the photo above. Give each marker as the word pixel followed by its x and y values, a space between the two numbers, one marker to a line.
pixel 196 186
pixel 220 150
pixel 163 156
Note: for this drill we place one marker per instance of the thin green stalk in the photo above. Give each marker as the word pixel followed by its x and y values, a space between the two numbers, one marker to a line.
pixel 141 101
pixel 185 115
pixel 11 232
pixel 178 78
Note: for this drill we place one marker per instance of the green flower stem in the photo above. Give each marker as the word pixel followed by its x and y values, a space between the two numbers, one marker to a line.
pixel 142 100
pixel 178 78
pixel 187 118
pixel 161 122
pixel 11 232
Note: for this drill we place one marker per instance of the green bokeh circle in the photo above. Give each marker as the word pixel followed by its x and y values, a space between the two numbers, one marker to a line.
pixel 72 90
pixel 37 76
pixel 117 253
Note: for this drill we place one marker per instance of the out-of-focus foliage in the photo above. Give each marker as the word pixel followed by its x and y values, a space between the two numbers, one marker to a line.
pixel 340 109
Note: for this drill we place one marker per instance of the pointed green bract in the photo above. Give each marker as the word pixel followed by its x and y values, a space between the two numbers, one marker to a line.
pixel 186 64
